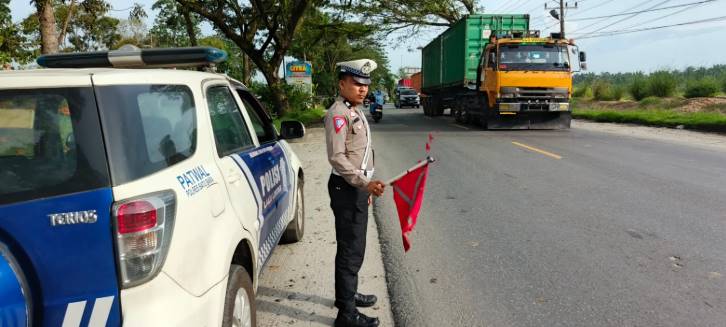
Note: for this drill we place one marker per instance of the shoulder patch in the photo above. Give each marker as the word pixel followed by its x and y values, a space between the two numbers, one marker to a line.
pixel 339 122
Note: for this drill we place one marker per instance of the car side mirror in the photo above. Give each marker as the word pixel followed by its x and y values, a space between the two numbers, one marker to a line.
pixel 583 65
pixel 583 57
pixel 292 129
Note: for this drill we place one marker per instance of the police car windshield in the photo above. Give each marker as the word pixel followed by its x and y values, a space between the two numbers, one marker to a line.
pixel 49 143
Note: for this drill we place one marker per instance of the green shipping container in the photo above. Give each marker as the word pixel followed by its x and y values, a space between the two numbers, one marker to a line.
pixel 451 59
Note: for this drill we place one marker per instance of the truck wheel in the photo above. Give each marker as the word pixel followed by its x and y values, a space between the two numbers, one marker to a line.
pixel 296 228
pixel 466 117
pixel 483 121
pixel 458 116
pixel 239 302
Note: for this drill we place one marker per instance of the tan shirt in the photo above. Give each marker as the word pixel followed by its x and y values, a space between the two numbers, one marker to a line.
pixel 346 137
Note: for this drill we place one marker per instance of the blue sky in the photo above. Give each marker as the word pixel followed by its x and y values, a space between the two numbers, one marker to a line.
pixel 672 48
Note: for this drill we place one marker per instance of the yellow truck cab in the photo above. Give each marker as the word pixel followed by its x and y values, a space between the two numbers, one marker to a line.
pixel 526 81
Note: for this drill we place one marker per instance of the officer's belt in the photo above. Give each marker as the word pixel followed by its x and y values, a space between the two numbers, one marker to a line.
pixel 366 173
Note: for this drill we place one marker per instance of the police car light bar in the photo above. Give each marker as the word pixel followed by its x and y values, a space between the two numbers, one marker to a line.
pixel 130 56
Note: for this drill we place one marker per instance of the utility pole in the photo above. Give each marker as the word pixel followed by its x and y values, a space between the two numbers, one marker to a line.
pixel 562 5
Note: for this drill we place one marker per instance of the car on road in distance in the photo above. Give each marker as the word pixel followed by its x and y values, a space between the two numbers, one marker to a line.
pixel 406 96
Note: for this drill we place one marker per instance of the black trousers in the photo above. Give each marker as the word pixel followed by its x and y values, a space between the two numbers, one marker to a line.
pixel 350 207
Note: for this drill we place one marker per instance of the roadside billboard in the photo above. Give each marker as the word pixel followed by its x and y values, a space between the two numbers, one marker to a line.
pixel 300 73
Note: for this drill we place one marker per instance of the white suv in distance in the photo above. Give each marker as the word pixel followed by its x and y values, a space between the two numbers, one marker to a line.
pixel 142 197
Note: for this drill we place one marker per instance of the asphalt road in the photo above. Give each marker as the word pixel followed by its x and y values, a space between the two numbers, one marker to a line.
pixel 554 228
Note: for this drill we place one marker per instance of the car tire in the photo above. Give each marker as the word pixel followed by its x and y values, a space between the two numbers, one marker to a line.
pixel 296 228
pixel 239 301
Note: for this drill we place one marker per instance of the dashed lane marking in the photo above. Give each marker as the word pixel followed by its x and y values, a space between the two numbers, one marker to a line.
pixel 540 151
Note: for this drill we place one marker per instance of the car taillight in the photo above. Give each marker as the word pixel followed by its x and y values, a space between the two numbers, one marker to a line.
pixel 143 228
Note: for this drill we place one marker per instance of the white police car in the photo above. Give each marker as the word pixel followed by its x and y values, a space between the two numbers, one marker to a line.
pixel 142 197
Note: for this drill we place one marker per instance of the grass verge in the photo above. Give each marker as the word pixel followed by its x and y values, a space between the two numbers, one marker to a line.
pixel 705 121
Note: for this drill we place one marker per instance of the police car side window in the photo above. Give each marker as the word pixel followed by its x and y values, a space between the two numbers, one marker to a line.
pixel 148 128
pixel 230 132
pixel 264 131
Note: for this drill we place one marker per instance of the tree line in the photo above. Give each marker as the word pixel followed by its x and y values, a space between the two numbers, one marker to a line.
pixel 257 34
pixel 690 82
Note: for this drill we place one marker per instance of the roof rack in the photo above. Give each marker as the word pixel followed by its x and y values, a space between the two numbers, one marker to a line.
pixel 130 56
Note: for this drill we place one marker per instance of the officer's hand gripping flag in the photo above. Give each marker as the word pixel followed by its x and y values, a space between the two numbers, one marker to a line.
pixel 408 192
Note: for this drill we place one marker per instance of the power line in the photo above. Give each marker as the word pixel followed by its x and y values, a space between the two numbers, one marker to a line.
pixel 626 18
pixel 583 11
pixel 520 6
pixel 510 5
pixel 643 11
pixel 535 7
pixel 620 32
pixel 665 16
pixel 561 15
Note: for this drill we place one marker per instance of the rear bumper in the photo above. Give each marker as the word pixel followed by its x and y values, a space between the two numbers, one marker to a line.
pixel 162 302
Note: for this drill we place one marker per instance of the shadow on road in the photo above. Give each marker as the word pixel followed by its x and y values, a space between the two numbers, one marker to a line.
pixel 277 297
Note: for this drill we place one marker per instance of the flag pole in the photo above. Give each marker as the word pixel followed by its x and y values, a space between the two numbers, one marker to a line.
pixel 416 166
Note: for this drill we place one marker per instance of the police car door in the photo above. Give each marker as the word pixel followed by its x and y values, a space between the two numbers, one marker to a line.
pixel 246 167
pixel 277 184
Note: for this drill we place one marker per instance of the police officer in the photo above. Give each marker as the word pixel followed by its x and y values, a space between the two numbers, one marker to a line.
pixel 347 136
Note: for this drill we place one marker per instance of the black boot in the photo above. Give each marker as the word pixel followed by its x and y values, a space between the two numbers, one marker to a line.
pixel 355 319
pixel 364 301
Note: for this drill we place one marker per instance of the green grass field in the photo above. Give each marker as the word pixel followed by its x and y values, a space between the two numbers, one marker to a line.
pixel 705 121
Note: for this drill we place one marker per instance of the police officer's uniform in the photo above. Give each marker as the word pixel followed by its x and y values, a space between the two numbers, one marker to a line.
pixel 350 154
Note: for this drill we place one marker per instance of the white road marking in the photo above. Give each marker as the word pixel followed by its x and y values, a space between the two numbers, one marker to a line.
pixel 459 126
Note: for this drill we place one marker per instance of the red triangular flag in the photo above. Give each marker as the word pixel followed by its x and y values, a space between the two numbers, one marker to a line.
pixel 408 194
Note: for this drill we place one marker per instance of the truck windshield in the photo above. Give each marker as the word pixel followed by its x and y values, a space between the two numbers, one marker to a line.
pixel 533 57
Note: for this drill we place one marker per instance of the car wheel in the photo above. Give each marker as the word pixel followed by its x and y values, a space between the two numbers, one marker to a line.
pixel 239 302
pixel 296 228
